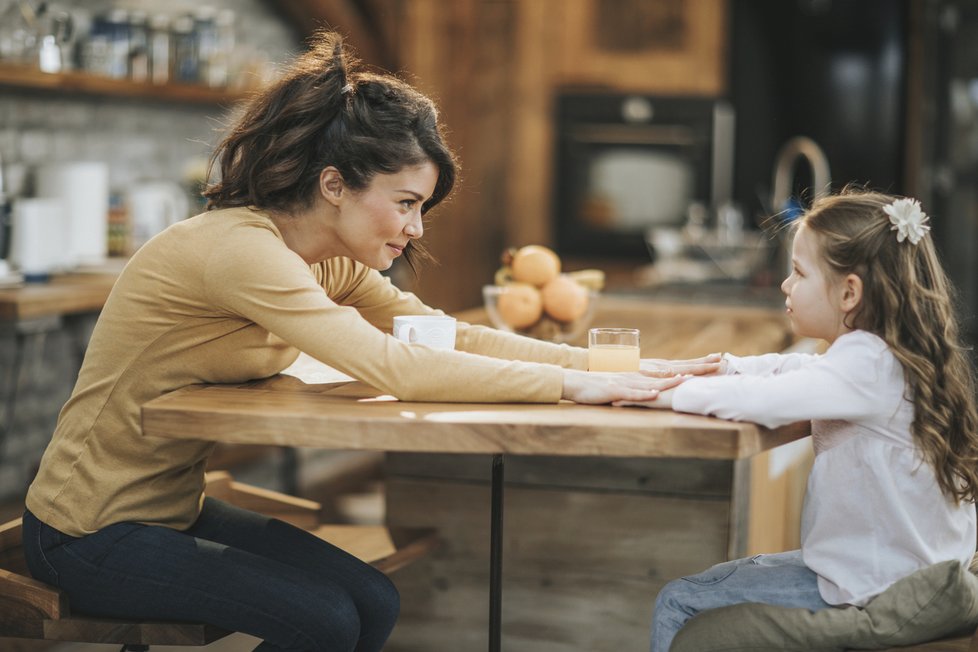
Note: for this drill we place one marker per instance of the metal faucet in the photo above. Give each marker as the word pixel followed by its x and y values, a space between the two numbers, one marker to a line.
pixel 784 170
pixel 784 167
pixel 4 225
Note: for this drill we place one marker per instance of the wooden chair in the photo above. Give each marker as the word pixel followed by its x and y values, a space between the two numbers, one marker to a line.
pixel 30 609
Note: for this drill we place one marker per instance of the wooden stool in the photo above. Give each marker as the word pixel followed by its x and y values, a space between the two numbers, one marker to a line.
pixel 33 610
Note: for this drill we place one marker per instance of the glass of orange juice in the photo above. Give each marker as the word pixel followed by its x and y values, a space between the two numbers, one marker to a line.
pixel 613 349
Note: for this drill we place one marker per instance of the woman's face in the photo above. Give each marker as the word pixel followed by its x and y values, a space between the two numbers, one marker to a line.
pixel 813 299
pixel 374 225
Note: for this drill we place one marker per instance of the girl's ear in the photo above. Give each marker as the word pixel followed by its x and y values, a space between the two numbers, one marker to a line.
pixel 852 292
pixel 331 184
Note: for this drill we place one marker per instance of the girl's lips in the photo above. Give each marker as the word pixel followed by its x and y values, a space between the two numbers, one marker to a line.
pixel 396 249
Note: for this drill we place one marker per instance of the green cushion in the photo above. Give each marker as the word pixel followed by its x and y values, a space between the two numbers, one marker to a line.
pixel 934 602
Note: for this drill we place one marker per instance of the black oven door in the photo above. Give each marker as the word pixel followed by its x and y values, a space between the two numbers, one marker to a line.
pixel 626 164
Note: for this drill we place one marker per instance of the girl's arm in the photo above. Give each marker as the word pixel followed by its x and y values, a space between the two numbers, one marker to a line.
pixel 845 383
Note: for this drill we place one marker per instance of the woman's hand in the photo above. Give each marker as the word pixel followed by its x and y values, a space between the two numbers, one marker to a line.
pixel 607 387
pixel 708 364
pixel 663 401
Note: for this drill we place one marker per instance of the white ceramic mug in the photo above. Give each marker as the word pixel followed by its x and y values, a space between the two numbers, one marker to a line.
pixel 436 331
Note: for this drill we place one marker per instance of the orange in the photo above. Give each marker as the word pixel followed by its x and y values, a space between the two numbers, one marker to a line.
pixel 519 305
pixel 535 265
pixel 564 299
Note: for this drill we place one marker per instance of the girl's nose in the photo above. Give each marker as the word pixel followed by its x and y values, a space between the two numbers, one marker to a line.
pixel 784 285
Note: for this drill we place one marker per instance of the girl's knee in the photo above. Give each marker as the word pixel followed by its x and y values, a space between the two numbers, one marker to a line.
pixel 671 595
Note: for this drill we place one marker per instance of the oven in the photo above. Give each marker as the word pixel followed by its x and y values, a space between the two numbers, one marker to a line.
pixel 629 163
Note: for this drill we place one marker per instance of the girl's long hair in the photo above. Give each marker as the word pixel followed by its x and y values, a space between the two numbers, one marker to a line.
pixel 324 111
pixel 907 301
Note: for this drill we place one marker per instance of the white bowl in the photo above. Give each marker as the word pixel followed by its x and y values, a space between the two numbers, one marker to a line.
pixel 546 328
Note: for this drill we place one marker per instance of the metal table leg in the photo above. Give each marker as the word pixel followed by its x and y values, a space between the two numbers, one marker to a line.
pixel 31 334
pixel 496 555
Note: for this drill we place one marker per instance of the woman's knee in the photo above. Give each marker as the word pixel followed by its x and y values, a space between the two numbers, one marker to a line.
pixel 380 601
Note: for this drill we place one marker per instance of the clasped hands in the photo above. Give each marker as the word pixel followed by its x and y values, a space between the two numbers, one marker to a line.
pixel 648 387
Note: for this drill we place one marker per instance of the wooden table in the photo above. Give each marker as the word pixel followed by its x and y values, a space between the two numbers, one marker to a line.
pixel 350 415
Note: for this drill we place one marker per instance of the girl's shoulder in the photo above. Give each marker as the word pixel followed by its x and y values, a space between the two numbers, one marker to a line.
pixel 862 353
pixel 859 340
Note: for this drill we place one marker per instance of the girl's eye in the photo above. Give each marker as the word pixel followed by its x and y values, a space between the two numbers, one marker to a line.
pixel 408 204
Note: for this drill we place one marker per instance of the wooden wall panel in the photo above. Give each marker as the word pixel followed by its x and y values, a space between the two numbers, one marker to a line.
pixel 494 67
pixel 460 53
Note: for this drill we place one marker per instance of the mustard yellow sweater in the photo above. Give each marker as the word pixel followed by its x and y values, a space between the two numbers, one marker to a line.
pixel 219 298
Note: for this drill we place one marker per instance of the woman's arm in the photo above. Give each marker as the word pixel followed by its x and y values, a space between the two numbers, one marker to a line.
pixel 625 388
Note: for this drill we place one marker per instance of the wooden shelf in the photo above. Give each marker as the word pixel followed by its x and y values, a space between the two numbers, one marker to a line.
pixel 14 76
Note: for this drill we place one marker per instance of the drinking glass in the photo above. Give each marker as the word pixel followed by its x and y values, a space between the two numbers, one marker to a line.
pixel 613 349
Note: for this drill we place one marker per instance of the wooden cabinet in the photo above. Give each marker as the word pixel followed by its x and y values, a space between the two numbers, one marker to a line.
pixel 674 47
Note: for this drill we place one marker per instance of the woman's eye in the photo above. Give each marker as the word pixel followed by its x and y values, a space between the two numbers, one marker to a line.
pixel 408 204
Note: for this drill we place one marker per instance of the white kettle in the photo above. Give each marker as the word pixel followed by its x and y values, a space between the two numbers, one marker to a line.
pixel 153 206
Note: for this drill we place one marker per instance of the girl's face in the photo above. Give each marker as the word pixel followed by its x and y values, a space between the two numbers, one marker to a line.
pixel 373 226
pixel 814 298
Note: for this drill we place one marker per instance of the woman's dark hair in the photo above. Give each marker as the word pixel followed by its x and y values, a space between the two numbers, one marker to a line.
pixel 325 112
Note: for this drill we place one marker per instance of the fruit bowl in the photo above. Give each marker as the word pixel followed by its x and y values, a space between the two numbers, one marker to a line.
pixel 545 327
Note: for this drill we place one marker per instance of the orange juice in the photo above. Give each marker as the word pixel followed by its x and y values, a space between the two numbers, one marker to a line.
pixel 613 357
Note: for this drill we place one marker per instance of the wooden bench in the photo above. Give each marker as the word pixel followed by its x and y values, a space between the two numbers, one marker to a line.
pixel 30 609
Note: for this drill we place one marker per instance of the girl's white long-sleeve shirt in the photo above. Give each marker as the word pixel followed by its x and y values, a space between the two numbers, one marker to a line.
pixel 874 512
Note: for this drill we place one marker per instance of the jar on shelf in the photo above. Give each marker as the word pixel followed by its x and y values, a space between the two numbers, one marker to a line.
pixel 160 50
pixel 186 63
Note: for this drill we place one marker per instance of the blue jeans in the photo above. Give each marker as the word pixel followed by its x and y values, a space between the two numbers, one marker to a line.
pixel 781 579
pixel 232 568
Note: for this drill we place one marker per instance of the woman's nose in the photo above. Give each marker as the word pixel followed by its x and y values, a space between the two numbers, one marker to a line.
pixel 414 228
pixel 784 285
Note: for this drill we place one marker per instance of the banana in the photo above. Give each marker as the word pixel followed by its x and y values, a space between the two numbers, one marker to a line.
pixel 504 276
pixel 592 279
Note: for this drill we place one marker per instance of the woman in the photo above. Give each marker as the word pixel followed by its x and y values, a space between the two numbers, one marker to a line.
pixel 324 181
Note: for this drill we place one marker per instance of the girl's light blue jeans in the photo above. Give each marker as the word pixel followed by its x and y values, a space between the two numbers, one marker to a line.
pixel 781 579
pixel 233 568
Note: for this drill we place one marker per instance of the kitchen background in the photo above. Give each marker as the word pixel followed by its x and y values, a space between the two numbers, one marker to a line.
pixel 887 90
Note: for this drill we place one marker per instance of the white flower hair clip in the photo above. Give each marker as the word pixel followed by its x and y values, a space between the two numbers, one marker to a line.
pixel 908 220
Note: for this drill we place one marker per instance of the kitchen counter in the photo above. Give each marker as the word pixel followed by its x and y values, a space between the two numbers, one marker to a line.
pixel 64 294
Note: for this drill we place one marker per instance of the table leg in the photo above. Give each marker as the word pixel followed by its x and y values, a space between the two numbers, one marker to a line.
pixel 28 333
pixel 496 555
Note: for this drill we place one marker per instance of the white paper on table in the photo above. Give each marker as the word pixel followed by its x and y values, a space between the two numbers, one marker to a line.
pixel 313 372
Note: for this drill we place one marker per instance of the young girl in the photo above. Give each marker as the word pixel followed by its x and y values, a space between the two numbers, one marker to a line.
pixel 892 404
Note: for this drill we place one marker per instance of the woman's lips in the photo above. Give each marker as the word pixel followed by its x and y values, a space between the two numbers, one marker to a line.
pixel 397 250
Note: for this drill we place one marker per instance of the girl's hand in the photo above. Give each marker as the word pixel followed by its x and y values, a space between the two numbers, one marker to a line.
pixel 607 387
pixel 663 401
pixel 708 364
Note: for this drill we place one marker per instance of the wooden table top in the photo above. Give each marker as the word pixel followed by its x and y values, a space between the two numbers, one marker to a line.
pixel 63 295
pixel 351 416
pixel 342 414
